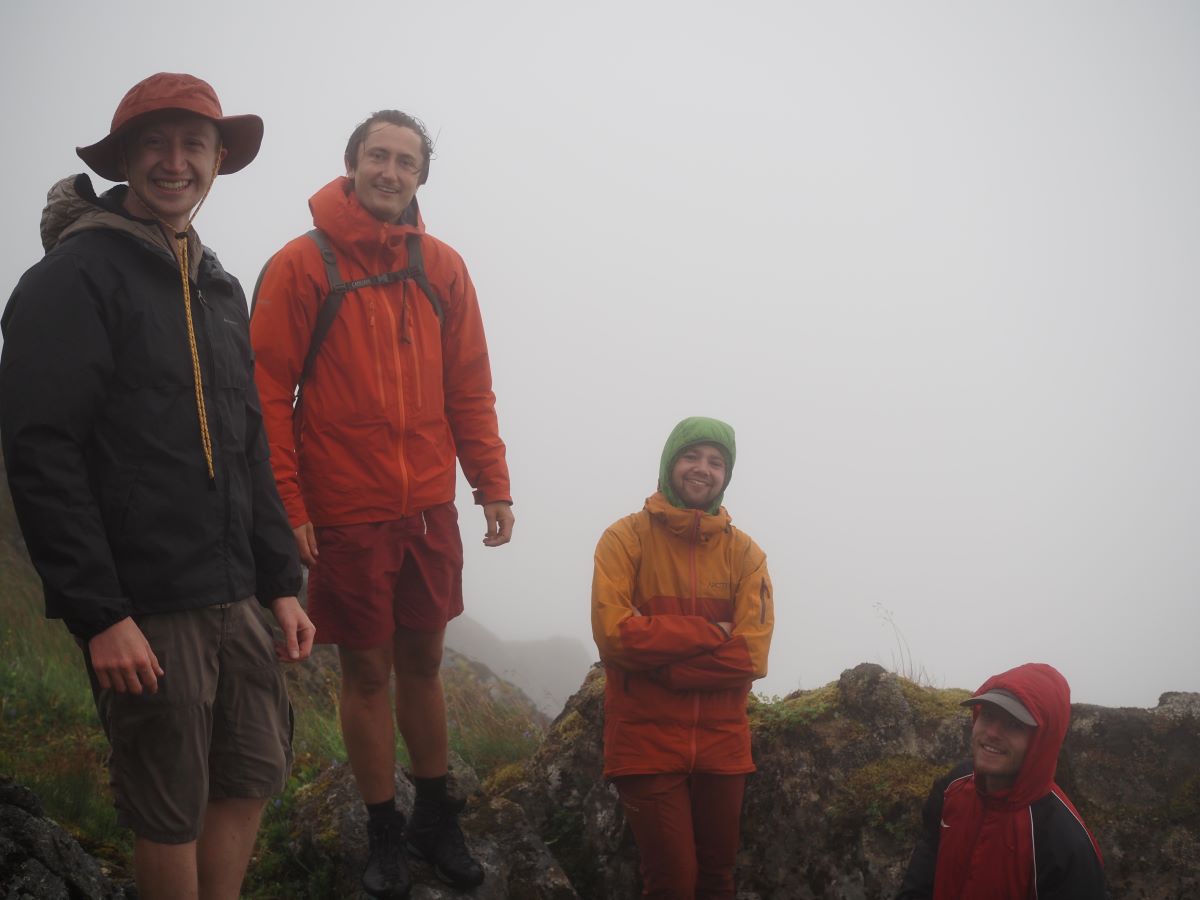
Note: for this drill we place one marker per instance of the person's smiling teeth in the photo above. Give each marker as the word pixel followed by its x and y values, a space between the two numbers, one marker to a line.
pixel 172 185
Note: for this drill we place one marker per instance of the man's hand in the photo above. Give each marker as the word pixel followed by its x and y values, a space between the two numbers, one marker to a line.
pixel 500 521
pixel 298 631
pixel 306 543
pixel 123 660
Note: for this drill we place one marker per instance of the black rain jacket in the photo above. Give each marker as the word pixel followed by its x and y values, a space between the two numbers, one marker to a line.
pixel 100 430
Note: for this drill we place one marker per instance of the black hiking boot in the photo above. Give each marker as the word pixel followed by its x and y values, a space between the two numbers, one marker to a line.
pixel 386 872
pixel 434 836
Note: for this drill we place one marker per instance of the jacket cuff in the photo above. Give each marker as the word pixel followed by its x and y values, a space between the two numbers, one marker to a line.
pixel 268 592
pixel 297 512
pixel 482 499
pixel 88 626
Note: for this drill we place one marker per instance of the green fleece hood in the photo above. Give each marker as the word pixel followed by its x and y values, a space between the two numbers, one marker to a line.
pixel 691 431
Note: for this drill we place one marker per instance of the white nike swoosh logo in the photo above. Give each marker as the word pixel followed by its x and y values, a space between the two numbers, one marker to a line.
pixel 944 825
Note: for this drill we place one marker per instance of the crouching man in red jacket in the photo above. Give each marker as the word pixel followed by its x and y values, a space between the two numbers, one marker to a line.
pixel 998 827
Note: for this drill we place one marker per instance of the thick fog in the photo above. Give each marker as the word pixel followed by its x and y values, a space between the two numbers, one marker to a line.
pixel 938 264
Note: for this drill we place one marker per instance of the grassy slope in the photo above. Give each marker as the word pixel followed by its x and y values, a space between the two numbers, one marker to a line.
pixel 50 739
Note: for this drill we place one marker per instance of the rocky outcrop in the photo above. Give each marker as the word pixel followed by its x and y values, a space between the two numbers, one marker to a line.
pixel 330 826
pixel 38 859
pixel 831 813
pixel 842 772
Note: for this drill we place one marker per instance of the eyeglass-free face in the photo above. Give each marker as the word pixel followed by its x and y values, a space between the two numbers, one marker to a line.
pixel 388 170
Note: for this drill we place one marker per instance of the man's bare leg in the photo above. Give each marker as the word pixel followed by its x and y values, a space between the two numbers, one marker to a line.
pixel 367 720
pixel 370 740
pixel 165 871
pixel 420 704
pixel 433 833
pixel 225 846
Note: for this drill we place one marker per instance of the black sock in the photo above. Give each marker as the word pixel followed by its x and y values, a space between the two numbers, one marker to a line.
pixel 431 791
pixel 385 809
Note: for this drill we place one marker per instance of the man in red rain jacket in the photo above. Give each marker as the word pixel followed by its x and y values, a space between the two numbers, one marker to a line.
pixel 400 393
pixel 998 827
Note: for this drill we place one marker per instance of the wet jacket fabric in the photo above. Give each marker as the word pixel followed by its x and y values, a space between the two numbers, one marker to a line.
pixel 395 398
pixel 100 429
pixel 675 698
pixel 1026 842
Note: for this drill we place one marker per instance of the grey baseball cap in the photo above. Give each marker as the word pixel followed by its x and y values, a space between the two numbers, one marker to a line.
pixel 1007 702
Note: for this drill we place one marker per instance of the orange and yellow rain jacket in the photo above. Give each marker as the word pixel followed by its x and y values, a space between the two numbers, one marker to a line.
pixel 394 396
pixel 676 691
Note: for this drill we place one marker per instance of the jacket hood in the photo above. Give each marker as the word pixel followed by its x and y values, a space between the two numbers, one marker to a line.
pixel 689 432
pixel 72 206
pixel 337 212
pixel 1047 696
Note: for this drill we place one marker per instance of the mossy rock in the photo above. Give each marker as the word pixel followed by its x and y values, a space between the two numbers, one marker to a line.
pixel 802 708
pixel 888 794
pixel 570 726
pixel 504 778
pixel 934 704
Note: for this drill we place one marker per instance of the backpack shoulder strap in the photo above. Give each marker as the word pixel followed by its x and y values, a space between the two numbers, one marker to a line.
pixel 416 265
pixel 258 284
pixel 338 288
pixel 329 307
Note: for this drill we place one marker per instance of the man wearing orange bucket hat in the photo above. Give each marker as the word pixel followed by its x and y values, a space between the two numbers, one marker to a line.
pixel 135 452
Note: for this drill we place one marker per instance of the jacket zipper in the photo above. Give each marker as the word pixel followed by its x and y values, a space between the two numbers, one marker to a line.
pixel 695 694
pixel 394 329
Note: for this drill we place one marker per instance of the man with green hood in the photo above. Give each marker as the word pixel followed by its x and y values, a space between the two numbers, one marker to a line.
pixel 682 615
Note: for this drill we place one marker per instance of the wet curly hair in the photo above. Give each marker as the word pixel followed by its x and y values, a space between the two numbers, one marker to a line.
pixel 391 117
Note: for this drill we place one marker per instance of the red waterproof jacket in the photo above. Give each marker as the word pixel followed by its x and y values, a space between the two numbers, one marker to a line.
pixel 987 843
pixel 675 698
pixel 394 396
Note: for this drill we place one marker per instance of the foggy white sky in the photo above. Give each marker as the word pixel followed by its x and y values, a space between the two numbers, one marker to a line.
pixel 936 262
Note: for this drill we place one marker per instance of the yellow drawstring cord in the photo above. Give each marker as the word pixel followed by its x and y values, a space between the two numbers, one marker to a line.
pixel 185 277
pixel 205 438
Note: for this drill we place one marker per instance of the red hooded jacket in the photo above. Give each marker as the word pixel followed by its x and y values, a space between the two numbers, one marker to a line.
pixel 395 398
pixel 1025 842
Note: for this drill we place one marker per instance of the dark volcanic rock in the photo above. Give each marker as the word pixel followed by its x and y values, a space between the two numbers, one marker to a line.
pixel 842 771
pixel 563 792
pixel 40 861
pixel 330 823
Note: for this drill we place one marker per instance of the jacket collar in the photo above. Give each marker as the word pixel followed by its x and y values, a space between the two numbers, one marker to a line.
pixel 72 206
pixel 686 523
pixel 354 231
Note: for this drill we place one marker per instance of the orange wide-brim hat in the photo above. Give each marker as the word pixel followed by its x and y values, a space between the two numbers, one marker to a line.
pixel 240 135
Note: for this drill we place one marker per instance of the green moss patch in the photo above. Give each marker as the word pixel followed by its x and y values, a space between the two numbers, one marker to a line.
pixel 887 794
pixel 803 708
pixel 934 704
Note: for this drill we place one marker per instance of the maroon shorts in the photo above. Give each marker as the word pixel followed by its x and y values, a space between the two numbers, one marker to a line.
pixel 373 578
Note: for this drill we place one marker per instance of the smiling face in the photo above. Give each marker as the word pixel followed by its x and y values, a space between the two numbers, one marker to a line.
pixel 698 475
pixel 998 747
pixel 169 163
pixel 388 170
